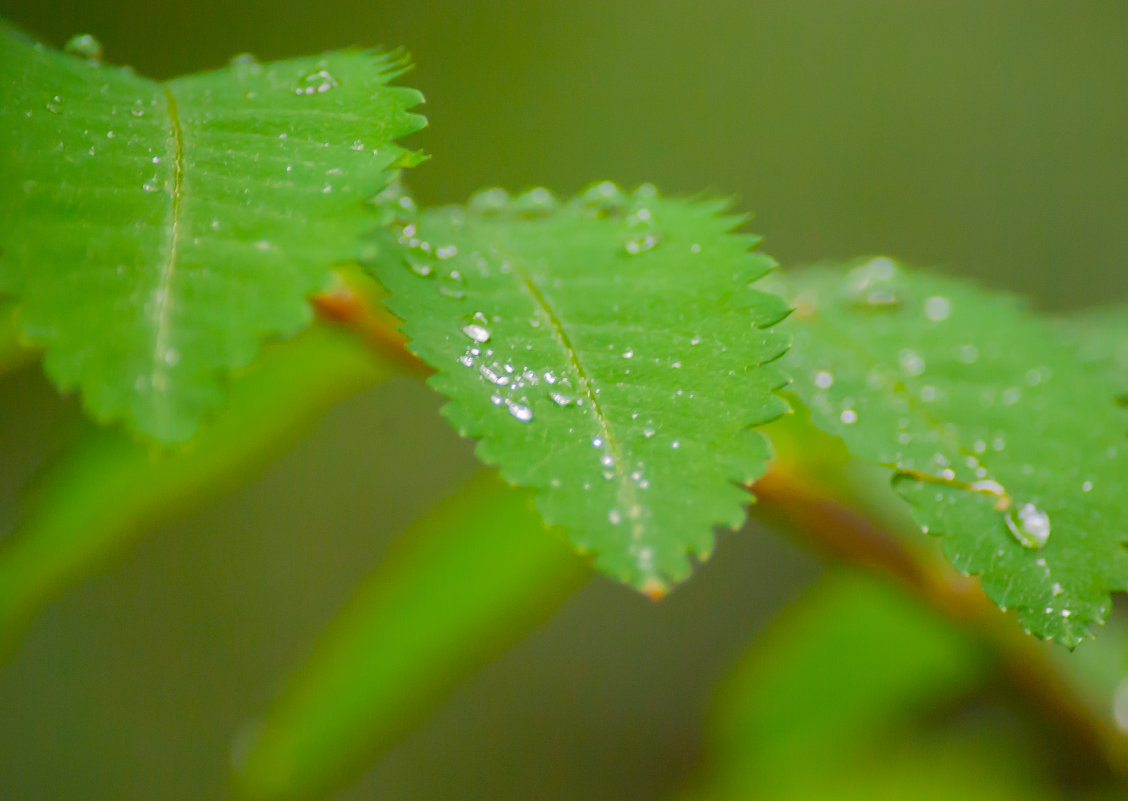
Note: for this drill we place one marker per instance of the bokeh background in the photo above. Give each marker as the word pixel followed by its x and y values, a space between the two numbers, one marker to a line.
pixel 983 139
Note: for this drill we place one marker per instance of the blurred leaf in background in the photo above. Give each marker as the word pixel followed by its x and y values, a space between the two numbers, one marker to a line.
pixel 858 693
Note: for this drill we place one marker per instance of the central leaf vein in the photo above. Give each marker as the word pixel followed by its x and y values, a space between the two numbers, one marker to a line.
pixel 627 494
pixel 161 348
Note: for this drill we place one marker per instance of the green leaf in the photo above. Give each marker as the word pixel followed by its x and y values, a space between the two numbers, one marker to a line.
pixel 999 437
pixel 109 487
pixel 610 353
pixel 845 697
pixel 850 662
pixel 155 233
pixel 1101 337
pixel 470 578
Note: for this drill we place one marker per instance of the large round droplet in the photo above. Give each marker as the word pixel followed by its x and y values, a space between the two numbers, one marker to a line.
pixel 1029 525
pixel 875 284
pixel 245 64
pixel 489 201
pixel 604 198
pixel 84 46
pixel 537 202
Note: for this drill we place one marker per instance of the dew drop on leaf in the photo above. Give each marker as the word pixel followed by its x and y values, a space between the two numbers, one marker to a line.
pixel 84 46
pixel 519 411
pixel 1029 525
pixel 476 332
pixel 937 308
pixel 489 201
pixel 245 64
pixel 641 244
pixel 538 202
pixel 604 198
pixel 911 362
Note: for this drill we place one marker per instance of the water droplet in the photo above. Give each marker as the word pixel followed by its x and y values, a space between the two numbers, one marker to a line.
pixel 823 379
pixel 1011 396
pixel 641 244
pixel 476 332
pixel 597 442
pixel 537 202
pixel 607 460
pixel 447 252
pixel 614 517
pixel 519 411
pixel 675 444
pixel 604 198
pixel 641 218
pixel 628 354
pixel 316 83
pixel 172 357
pixel 493 377
pixel 848 416
pixel 937 308
pixel 245 64
pixel 84 46
pixel 991 488
pixel 968 354
pixel 1029 525
pixel 560 399
pixel 451 285
pixel 1087 486
pixel 874 283
pixel 489 201
pixel 911 362
pixel 424 270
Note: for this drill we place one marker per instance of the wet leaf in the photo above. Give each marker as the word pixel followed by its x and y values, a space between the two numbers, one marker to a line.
pixel 610 352
pixel 1000 439
pixel 155 233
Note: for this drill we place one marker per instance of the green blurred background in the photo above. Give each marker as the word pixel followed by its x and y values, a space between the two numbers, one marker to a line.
pixel 985 139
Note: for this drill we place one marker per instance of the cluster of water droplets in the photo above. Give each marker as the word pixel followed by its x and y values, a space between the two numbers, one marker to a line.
pixel 316 82
pixel 601 200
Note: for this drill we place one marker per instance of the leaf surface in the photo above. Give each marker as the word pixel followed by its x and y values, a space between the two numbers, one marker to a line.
pixel 609 352
pixel 999 437
pixel 155 233
pixel 1101 337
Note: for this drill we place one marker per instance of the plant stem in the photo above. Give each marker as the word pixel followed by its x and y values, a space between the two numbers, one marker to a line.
pixel 374 325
